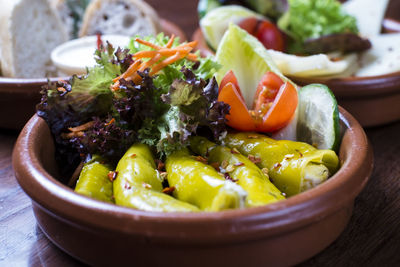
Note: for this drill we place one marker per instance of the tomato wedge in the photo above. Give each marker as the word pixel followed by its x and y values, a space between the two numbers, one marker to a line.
pixel 239 117
pixel 274 103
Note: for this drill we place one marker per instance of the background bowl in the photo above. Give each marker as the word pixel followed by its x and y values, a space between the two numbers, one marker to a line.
pixel 18 97
pixel 371 100
pixel 280 234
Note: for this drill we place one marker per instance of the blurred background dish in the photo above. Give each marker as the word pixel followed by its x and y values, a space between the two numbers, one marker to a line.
pixel 371 99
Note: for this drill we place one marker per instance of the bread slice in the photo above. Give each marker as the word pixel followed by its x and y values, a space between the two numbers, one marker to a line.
pixel 125 17
pixel 71 13
pixel 29 31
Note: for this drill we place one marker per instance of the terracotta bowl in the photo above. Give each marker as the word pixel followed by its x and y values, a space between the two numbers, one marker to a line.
pixel 280 234
pixel 371 100
pixel 18 97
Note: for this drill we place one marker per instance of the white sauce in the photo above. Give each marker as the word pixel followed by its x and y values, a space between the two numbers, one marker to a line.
pixel 75 56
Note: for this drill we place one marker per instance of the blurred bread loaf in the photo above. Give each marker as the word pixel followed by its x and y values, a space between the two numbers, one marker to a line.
pixel 29 30
pixel 126 17
pixel 71 13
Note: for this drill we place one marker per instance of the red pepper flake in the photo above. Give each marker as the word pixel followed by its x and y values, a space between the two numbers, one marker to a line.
pixel 127 186
pixel 160 165
pixel 235 151
pixel 277 165
pixel 298 151
pixel 133 156
pixel 289 156
pixel 228 177
pixel 254 159
pixel 201 159
pixel 238 164
pixel 215 165
pixel 252 136
pixel 110 122
pixel 112 176
pixel 168 190
pixel 99 42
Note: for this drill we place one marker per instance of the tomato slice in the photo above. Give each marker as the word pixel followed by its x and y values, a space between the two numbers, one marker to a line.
pixel 274 104
pixel 239 117
pixel 250 25
pixel 229 78
pixel 281 110
pixel 266 32
pixel 270 36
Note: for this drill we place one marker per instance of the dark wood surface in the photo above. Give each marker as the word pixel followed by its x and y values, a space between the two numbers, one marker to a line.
pixel 372 237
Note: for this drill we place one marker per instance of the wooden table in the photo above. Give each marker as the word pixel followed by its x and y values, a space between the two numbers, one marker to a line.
pixel 372 237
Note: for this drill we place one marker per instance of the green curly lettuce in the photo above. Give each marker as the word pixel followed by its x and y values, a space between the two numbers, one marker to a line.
pixel 307 19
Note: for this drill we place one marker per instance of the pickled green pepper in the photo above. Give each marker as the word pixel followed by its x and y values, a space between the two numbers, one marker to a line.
pixel 255 182
pixel 138 184
pixel 201 185
pixel 292 166
pixel 94 182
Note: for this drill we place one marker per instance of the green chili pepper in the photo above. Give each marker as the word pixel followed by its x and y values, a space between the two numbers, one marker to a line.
pixel 94 182
pixel 293 167
pixel 138 184
pixel 254 181
pixel 200 184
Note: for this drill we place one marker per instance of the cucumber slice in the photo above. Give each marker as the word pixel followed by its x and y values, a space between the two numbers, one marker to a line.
pixel 206 5
pixel 318 121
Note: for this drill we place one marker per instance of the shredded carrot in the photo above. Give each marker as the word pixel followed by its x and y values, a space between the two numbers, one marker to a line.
pixel 158 58
pixel 82 127
pixel 110 122
pixel 146 43
pixel 171 41
pixel 166 62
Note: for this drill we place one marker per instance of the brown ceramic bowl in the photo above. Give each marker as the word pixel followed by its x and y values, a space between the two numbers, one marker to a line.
pixel 18 97
pixel 280 234
pixel 371 100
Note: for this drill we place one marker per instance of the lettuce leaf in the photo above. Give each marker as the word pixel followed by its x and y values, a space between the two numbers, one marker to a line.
pixel 315 18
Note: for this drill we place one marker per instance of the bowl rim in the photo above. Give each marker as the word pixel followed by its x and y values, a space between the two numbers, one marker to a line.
pixel 59 200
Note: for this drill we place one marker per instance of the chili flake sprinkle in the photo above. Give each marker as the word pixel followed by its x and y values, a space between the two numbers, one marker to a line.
pixel 201 159
pixel 133 156
pixel 235 151
pixel 254 159
pixel 112 176
pixel 252 136
pixel 127 186
pixel 277 165
pixel 160 165
pixel 238 164
pixel 215 165
pixel 301 154
pixel 168 190
pixel 228 177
